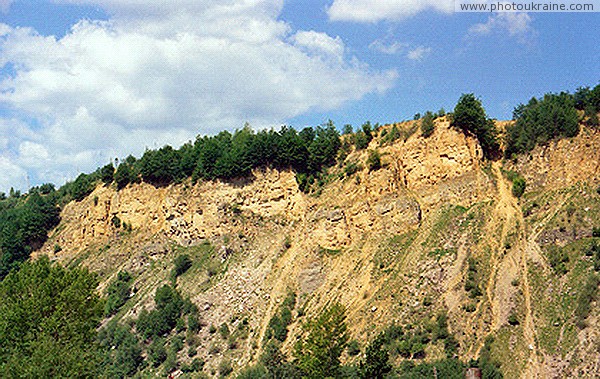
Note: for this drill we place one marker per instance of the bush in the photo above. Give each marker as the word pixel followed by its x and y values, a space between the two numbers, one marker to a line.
pixel 588 294
pixel 157 353
pixel 225 368
pixel 427 125
pixel 375 364
pixel 518 187
pixel 318 355
pixel 117 293
pixel 182 264
pixel 374 160
pixel 353 348
pixel 224 331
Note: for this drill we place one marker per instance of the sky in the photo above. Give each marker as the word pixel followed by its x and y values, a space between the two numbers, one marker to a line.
pixel 85 82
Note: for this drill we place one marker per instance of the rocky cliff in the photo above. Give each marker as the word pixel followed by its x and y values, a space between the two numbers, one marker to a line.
pixel 394 245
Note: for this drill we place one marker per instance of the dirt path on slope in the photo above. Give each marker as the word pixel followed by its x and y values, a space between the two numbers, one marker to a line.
pixel 514 265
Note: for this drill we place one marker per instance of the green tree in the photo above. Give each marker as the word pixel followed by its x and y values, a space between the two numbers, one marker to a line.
pixel 374 160
pixel 122 351
pixel 318 355
pixel 518 187
pixel 539 121
pixel 118 293
pixel 375 364
pixel 469 116
pixel 48 320
pixel 427 125
pixel 107 173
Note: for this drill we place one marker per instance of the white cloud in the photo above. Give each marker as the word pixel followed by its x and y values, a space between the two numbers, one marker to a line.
pixel 378 10
pixel 320 43
pixel 418 53
pixel 518 25
pixel 388 48
pixel 156 74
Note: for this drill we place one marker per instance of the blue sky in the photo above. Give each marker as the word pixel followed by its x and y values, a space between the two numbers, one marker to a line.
pixel 83 82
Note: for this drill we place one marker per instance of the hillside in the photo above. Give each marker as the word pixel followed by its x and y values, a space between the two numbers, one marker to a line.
pixel 436 230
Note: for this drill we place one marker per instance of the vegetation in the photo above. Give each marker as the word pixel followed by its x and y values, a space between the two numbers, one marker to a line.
pixel 518 187
pixel 117 293
pixel 375 364
pixel 470 117
pixel 374 160
pixel 277 328
pixel 588 294
pixel 427 125
pixel 183 263
pixel 541 120
pixel 318 354
pixel 24 225
pixel 48 321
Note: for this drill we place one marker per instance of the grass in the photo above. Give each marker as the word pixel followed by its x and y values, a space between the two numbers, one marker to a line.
pixel 393 249
pixel 206 264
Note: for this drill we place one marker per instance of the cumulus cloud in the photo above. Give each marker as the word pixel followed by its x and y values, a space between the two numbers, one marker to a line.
pixel 391 10
pixel 155 74
pixel 518 25
pixel 418 53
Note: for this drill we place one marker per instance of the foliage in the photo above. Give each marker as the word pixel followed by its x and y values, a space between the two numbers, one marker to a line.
pixel 427 125
pixel 182 264
pixel 121 350
pixel 48 321
pixel 374 160
pixel 282 318
pixel 318 355
pixel 126 173
pixel 558 260
pixel 375 364
pixel 157 353
pixel 117 293
pixel 447 369
pixel 469 116
pixel 107 173
pixel 588 294
pixel 225 368
pixel 518 187
pixel 163 318
pixel 553 116
pixel 353 348
pixel 471 285
pixel 24 226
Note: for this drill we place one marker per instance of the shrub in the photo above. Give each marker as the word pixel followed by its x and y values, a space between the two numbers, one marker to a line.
pixel 353 348
pixel 225 368
pixel 157 353
pixel 374 160
pixel 182 264
pixel 588 294
pixel 318 355
pixel 224 331
pixel 518 187
pixel 427 125
pixel 376 363
pixel 118 293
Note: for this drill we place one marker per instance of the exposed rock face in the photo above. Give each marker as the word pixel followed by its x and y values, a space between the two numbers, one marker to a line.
pixel 380 242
